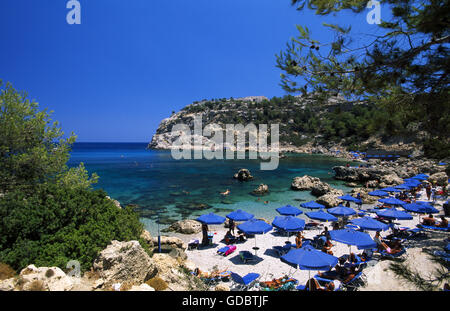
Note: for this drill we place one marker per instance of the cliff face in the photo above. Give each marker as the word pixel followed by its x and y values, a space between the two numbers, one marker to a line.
pixel 248 110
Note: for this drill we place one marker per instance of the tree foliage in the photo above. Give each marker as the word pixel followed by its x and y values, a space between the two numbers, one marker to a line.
pixel 403 66
pixel 49 213
pixel 32 147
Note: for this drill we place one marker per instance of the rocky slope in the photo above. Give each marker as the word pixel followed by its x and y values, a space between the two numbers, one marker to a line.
pixel 302 120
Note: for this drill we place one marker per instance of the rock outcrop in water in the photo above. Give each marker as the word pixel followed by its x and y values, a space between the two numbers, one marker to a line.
pixel 243 175
pixel 261 190
pixel 326 194
pixel 187 226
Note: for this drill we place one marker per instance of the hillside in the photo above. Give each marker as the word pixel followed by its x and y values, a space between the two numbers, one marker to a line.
pixel 304 122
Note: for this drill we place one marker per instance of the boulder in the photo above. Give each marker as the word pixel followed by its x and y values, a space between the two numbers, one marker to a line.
pixel 7 285
pixel 391 179
pixel 187 226
pixel 44 278
pixel 320 188
pixel 243 175
pixel 124 262
pixel 361 174
pixel 331 199
pixel 439 179
pixel 147 237
pixel 364 194
pixel 261 190
pixel 173 272
pixel 173 242
pixel 304 183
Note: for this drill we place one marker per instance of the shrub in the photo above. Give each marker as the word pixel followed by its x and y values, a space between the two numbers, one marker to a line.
pixel 57 224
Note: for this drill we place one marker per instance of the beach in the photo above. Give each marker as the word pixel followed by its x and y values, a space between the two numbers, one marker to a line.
pixel 269 265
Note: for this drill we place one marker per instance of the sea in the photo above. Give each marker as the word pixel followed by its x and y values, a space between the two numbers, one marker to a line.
pixel 164 190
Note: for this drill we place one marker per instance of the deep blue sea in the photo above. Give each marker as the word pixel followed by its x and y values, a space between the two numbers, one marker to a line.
pixel 162 187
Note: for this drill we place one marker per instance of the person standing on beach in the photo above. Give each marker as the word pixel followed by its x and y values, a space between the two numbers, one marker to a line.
pixel 205 240
pixel 232 226
pixel 428 191
pixel 433 194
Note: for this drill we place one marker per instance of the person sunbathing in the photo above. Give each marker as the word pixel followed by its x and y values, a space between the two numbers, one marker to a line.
pixel 352 272
pixel 313 285
pixel 207 275
pixel 428 221
pixel 327 247
pixel 394 247
pixel 443 223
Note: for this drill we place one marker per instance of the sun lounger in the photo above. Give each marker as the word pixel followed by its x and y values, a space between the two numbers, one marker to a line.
pixel 385 254
pixel 225 251
pixel 246 256
pixel 322 282
pixel 434 227
pixel 443 255
pixel 245 282
pixel 354 283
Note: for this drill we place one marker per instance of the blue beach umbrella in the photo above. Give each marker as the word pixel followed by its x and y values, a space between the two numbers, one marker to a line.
pixel 289 210
pixel 289 223
pixel 420 208
pixel 412 182
pixel 391 189
pixel 391 201
pixel 393 213
pixel 368 223
pixel 312 205
pixel 341 211
pixel 420 177
pixel 349 198
pixel 255 226
pixel 403 187
pixel 351 237
pixel 240 215
pixel 378 193
pixel 211 219
pixel 321 215
pixel 309 258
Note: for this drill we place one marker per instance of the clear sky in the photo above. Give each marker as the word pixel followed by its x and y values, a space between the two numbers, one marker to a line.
pixel 132 62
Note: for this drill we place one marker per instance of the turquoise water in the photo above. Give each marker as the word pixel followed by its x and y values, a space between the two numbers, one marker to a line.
pixel 160 186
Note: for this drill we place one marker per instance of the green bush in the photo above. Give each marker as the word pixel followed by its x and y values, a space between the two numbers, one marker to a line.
pixel 57 224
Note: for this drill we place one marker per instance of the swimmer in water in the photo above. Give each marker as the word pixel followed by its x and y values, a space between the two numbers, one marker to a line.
pixel 266 202
pixel 226 192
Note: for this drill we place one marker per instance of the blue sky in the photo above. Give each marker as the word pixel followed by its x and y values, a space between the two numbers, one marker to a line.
pixel 130 63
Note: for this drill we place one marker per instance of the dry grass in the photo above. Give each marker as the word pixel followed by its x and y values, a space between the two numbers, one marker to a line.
pixel 157 283
pixel 6 271
pixel 36 286
pixel 92 275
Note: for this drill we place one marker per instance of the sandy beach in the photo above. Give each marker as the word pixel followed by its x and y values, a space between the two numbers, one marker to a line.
pixel 269 265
